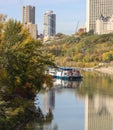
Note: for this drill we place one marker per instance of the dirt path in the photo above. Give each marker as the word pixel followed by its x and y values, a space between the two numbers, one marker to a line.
pixel 107 70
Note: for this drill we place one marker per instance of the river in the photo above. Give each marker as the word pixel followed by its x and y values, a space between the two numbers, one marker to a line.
pixel 77 105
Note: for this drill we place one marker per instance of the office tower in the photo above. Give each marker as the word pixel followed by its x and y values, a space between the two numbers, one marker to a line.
pixel 96 8
pixel 28 14
pixel 49 24
pixel 28 19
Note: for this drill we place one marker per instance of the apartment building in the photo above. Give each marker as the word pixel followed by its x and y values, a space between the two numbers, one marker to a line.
pixel 28 14
pixel 49 24
pixel 94 8
pixel 28 19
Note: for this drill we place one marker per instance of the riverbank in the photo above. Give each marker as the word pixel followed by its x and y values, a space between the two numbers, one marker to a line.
pixel 107 70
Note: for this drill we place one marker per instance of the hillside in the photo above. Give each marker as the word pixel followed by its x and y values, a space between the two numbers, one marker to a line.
pixel 82 51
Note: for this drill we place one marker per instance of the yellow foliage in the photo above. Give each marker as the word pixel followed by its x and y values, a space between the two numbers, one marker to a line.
pixel 18 80
pixel 17 111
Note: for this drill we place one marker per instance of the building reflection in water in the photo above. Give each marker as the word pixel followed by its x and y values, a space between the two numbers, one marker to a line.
pixel 99 112
pixel 48 99
pixel 47 107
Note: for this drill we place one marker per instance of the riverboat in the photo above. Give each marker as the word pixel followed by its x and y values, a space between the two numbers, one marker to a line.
pixel 65 73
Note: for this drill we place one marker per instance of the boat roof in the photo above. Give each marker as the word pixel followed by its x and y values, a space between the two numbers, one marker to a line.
pixel 67 68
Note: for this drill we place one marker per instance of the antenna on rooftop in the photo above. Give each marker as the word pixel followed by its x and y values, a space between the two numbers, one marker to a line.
pixel 77 26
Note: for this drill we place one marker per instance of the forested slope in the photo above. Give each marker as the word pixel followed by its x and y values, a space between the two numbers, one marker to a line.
pixel 83 51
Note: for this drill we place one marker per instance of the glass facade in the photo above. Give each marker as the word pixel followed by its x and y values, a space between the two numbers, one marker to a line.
pixel 49 24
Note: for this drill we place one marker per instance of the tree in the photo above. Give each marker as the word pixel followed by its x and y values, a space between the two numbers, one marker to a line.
pixel 91 32
pixel 24 60
pixel 14 33
pixel 107 56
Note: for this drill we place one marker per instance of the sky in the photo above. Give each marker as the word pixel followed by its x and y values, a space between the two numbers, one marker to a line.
pixel 70 14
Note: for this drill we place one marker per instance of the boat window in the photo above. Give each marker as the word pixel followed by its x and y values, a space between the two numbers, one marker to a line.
pixel 65 73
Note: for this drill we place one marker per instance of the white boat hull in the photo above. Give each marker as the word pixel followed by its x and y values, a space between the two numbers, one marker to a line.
pixel 66 73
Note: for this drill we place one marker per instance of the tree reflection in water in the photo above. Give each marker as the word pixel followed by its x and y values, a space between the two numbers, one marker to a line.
pixel 96 94
pixel 48 102
pixel 40 126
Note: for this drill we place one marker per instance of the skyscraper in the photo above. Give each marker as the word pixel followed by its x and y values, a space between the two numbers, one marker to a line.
pixel 95 8
pixel 28 19
pixel 28 14
pixel 49 24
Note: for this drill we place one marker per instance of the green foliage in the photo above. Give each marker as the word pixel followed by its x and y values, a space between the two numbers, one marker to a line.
pixel 13 33
pixel 108 56
pixel 24 60
pixel 103 84
pixel 89 49
pixel 22 66
pixel 15 112
pixel 72 39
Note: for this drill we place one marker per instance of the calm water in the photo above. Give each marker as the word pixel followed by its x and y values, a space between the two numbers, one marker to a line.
pixel 78 105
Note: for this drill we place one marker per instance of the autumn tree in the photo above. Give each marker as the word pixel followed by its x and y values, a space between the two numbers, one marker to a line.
pixel 107 56
pixel 23 59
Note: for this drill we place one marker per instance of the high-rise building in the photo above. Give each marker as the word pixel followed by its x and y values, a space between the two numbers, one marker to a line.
pixel 28 14
pixel 49 24
pixel 32 29
pixel 28 19
pixel 104 25
pixel 94 8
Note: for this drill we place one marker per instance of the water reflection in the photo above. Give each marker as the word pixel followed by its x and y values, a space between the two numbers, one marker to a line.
pixel 58 83
pixel 40 126
pixel 48 101
pixel 99 112
pixel 48 97
pixel 80 105
pixel 98 93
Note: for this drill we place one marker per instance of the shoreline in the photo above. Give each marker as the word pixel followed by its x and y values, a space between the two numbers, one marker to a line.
pixel 106 70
